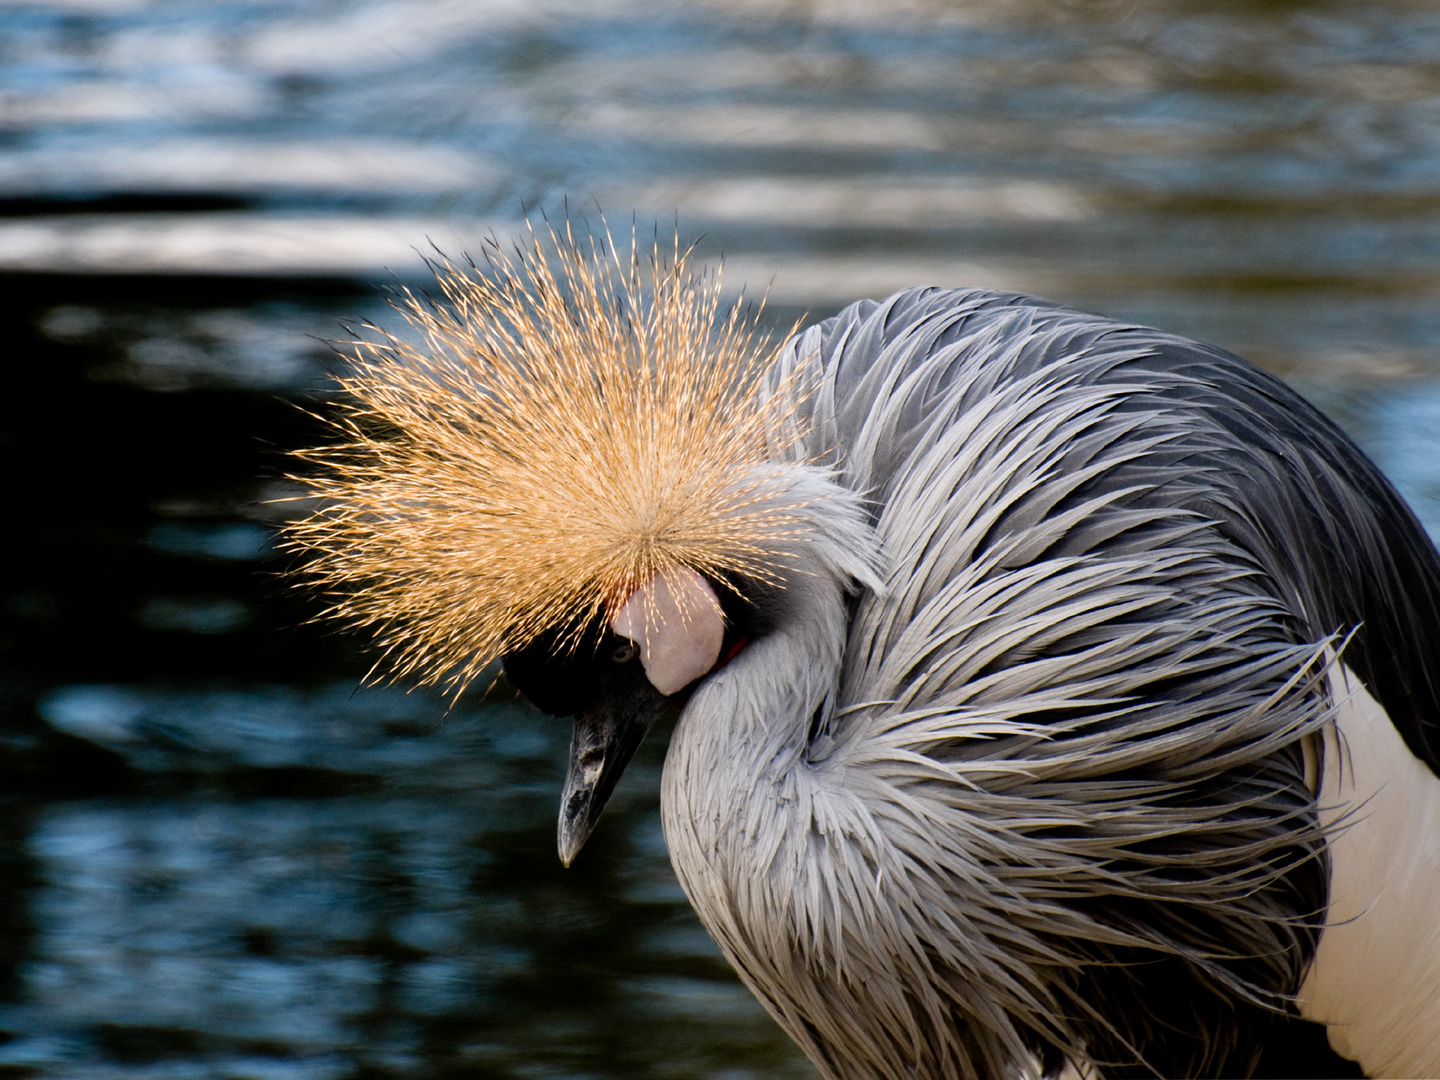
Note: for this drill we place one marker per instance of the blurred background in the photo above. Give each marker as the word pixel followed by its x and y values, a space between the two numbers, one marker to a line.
pixel 219 857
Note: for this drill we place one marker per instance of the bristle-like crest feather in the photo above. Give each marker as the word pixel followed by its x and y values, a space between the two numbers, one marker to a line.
pixel 571 421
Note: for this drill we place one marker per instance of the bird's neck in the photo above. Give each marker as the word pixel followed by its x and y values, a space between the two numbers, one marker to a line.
pixel 743 738
pixel 747 727
pixel 745 800
pixel 740 792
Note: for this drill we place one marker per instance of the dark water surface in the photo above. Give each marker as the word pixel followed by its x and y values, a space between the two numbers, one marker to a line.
pixel 222 859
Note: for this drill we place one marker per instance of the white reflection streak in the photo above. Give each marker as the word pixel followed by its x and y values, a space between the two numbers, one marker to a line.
pixel 229 243
pixel 862 203
pixel 821 281
pixel 237 165
pixel 251 244
pixel 768 126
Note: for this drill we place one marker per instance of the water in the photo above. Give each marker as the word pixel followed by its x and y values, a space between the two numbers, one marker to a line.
pixel 221 858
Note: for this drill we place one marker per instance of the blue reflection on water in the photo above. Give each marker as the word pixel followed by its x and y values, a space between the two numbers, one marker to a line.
pixel 225 540
pixel 1396 421
pixel 1405 442
pixel 200 933
pixel 368 731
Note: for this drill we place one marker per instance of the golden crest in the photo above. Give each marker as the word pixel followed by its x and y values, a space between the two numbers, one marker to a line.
pixel 567 423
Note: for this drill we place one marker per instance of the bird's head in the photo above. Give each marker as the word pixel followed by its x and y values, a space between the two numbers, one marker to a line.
pixel 570 465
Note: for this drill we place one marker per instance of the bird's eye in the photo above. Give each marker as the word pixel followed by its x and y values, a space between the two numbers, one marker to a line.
pixel 624 653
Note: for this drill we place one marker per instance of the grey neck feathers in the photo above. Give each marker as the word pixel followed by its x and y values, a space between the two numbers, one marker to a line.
pixel 755 716
pixel 740 800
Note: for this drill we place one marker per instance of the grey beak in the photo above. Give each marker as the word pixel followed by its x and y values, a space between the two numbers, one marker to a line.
pixel 606 736
pixel 600 748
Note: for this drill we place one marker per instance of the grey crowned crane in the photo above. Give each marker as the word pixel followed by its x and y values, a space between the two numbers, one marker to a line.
pixel 1055 694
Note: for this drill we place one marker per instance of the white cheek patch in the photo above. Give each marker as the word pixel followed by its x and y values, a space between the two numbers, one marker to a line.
pixel 676 622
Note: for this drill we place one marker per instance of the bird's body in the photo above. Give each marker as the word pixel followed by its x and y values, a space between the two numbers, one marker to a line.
pixel 1082 690
pixel 1016 745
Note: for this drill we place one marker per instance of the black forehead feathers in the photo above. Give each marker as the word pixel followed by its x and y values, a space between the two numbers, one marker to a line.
pixel 562 679
pixel 557 677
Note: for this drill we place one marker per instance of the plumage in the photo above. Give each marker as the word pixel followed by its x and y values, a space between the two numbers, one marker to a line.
pixel 1019 751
